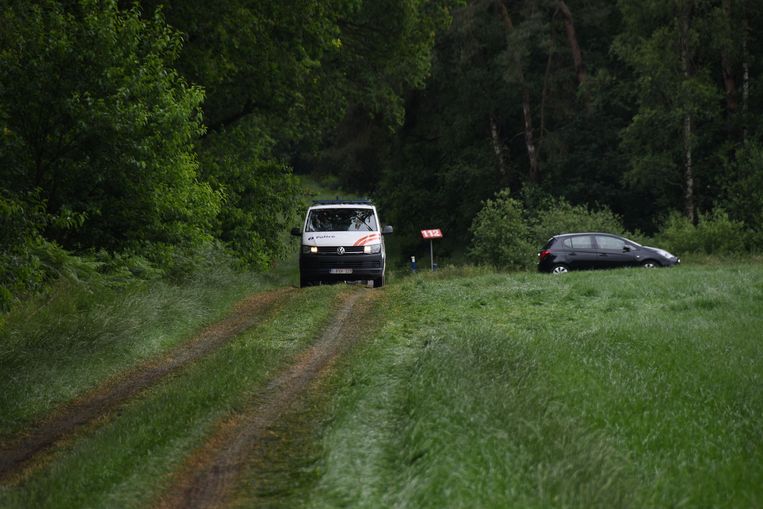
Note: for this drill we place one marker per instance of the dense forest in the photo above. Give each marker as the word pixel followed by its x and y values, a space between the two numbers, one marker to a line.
pixel 152 129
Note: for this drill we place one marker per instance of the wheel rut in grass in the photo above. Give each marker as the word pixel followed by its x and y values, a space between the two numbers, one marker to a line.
pixel 17 455
pixel 209 475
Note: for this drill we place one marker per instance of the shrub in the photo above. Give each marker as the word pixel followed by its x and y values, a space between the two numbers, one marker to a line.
pixel 506 235
pixel 715 233
pixel 501 235
pixel 20 268
pixel 559 216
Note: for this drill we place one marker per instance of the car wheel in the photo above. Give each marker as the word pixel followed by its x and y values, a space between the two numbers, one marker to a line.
pixel 379 282
pixel 650 264
pixel 305 282
pixel 560 268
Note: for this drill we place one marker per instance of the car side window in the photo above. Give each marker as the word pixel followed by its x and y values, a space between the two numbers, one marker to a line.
pixel 581 242
pixel 610 243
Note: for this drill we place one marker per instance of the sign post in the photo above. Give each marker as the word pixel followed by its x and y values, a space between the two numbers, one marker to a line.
pixel 431 235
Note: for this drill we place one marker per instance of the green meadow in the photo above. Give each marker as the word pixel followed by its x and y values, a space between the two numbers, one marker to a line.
pixel 467 388
pixel 627 388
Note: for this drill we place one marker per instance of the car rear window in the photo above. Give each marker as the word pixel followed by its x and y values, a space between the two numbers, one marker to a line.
pixel 341 220
pixel 578 242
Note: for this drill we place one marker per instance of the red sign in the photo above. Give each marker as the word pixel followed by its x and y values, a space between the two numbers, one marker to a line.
pixel 432 234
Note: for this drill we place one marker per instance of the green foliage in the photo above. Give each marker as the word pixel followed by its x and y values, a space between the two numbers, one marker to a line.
pixel 90 324
pixel 714 233
pixel 20 269
pixel 96 119
pixel 501 234
pixel 743 197
pixel 262 199
pixel 558 216
pixel 669 88
pixel 614 139
pixel 506 234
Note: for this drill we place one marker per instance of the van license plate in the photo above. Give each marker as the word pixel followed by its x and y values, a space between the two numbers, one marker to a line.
pixel 340 271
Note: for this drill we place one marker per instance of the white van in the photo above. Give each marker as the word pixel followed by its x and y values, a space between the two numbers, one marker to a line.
pixel 342 240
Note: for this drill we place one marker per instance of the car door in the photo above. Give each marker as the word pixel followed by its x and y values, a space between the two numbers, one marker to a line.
pixel 611 252
pixel 581 252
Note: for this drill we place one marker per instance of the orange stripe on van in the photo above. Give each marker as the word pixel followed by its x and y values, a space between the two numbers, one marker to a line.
pixel 362 241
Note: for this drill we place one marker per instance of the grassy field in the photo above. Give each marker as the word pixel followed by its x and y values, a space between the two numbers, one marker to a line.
pixel 625 388
pixel 66 341
pixel 125 461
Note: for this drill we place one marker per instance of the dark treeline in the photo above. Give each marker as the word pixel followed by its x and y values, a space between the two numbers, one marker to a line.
pixel 647 107
pixel 152 128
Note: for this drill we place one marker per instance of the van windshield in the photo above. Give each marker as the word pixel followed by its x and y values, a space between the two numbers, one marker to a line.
pixel 341 220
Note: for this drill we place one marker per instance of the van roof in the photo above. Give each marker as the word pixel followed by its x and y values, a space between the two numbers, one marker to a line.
pixel 342 202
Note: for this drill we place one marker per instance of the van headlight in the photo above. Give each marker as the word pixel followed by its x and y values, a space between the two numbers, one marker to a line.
pixel 372 249
pixel 309 249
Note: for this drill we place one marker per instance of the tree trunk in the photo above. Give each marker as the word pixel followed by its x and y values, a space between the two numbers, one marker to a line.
pixel 689 206
pixel 745 74
pixel 688 171
pixel 572 39
pixel 543 95
pixel 729 82
pixel 532 153
pixel 498 149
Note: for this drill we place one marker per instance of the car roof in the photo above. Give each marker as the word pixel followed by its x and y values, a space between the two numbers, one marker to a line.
pixel 587 233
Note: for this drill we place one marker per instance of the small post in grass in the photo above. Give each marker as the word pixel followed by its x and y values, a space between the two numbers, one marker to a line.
pixel 430 235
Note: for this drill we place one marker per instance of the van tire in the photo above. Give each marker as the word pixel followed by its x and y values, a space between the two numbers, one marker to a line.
pixel 305 282
pixel 379 282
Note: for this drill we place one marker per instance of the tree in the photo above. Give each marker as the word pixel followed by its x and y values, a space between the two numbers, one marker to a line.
pixel 261 197
pixel 98 125
pixel 676 94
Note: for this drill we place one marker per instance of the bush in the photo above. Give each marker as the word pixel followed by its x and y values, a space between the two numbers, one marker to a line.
pixel 20 268
pixel 559 216
pixel 112 148
pixel 501 235
pixel 715 233
pixel 506 235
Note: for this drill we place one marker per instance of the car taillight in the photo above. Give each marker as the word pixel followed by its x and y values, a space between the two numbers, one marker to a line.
pixel 543 254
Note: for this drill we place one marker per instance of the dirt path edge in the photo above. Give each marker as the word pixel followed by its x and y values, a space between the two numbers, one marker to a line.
pixel 209 474
pixel 17 454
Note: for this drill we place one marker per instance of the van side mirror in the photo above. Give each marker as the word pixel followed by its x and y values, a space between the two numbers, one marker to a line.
pixel 296 232
pixel 387 230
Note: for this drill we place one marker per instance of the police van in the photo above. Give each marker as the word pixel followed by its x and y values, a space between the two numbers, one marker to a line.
pixel 342 240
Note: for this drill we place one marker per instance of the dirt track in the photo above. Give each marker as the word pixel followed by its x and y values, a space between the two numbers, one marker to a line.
pixel 16 456
pixel 209 474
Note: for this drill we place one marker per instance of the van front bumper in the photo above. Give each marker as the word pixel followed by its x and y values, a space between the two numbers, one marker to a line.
pixel 348 267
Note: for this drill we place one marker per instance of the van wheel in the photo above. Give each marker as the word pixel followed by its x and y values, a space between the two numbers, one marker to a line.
pixel 379 282
pixel 305 282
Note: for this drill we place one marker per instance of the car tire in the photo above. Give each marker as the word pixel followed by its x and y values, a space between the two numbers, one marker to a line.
pixel 305 282
pixel 650 264
pixel 379 282
pixel 560 268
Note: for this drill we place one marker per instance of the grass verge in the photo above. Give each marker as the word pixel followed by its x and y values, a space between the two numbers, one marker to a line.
pixel 624 388
pixel 59 345
pixel 128 460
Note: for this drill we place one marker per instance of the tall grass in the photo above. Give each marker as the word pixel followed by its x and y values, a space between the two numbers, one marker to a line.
pixel 80 332
pixel 625 388
pixel 129 460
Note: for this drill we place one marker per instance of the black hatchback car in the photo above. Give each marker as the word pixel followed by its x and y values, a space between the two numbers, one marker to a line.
pixel 573 251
